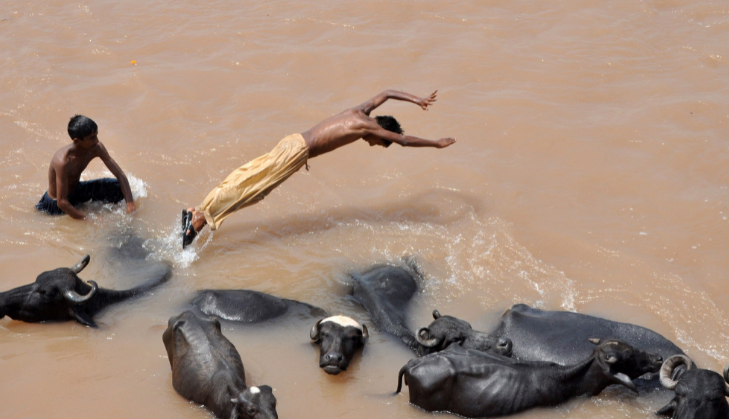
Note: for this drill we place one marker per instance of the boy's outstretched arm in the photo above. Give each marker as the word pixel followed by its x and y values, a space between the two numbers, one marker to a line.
pixel 378 100
pixel 120 176
pixel 62 195
pixel 410 140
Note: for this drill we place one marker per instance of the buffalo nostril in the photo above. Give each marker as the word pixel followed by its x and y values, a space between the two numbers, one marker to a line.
pixel 333 357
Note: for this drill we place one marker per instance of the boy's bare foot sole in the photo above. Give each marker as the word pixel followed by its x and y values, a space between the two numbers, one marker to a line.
pixel 188 231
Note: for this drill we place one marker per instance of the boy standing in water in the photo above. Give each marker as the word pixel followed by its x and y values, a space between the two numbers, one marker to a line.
pixel 251 182
pixel 65 189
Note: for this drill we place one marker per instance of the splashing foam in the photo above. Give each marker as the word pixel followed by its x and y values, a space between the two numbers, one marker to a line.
pixel 169 246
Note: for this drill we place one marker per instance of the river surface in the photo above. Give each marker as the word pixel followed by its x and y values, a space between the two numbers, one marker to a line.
pixel 589 174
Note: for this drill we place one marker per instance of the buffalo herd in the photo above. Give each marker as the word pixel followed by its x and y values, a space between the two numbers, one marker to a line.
pixel 532 358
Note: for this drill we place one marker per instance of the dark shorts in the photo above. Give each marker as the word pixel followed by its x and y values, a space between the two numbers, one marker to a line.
pixel 104 190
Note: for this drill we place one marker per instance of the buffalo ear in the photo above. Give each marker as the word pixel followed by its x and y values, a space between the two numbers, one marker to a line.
pixel 667 409
pixel 81 317
pixel 626 381
pixel 266 389
pixel 594 341
pixel 314 333
pixel 365 332
pixel 436 314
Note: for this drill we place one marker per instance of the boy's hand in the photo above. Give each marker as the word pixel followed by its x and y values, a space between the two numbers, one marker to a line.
pixel 427 101
pixel 445 142
pixel 131 207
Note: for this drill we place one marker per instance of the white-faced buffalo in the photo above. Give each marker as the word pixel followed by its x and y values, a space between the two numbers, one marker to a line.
pixel 338 337
pixel 445 330
pixel 477 384
pixel 60 295
pixel 207 369
pixel 385 292
pixel 247 306
pixel 699 393
pixel 562 337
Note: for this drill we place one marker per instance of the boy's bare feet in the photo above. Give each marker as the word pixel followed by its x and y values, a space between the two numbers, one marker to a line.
pixel 192 222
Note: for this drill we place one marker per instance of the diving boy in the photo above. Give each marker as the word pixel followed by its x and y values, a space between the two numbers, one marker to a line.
pixel 251 182
pixel 66 190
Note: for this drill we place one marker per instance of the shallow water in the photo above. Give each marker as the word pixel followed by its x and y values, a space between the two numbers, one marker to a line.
pixel 589 174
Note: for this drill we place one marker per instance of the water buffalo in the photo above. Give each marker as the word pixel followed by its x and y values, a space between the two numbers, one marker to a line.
pixel 247 306
pixel 60 295
pixel 385 292
pixel 477 384
pixel 338 337
pixel 207 369
pixel 699 393
pixel 562 336
pixel 446 330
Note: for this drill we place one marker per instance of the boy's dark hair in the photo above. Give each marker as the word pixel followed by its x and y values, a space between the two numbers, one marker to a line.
pixel 389 123
pixel 80 126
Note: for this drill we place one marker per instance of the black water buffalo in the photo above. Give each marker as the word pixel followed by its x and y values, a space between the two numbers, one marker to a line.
pixel 445 330
pixel 477 384
pixel 247 306
pixel 60 295
pixel 338 337
pixel 562 336
pixel 699 393
pixel 207 369
pixel 385 292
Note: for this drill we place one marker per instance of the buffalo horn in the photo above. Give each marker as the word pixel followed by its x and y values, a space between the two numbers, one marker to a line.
pixel 314 334
pixel 365 333
pixel 81 265
pixel 667 370
pixel 423 340
pixel 726 378
pixel 74 297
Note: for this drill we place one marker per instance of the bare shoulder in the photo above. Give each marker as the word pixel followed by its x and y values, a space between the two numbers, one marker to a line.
pixel 60 158
pixel 100 150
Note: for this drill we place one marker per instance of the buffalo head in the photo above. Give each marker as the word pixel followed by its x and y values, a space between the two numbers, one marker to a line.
pixel 256 403
pixel 446 330
pixel 339 338
pixel 628 360
pixel 55 295
pixel 699 393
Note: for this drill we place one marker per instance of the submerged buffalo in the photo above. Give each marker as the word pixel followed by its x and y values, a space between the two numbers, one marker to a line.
pixel 446 330
pixel 562 336
pixel 246 306
pixel 699 393
pixel 338 337
pixel 60 295
pixel 386 292
pixel 476 384
pixel 207 369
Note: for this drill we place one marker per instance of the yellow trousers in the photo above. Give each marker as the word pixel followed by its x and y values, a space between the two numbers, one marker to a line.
pixel 254 180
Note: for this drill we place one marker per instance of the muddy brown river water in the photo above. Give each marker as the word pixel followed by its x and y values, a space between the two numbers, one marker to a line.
pixel 590 174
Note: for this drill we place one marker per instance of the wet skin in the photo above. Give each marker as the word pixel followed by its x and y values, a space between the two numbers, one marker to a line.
pixel 353 124
pixel 64 172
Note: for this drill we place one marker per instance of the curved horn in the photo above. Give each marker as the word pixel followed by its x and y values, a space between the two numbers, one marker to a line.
pixel 423 340
pixel 314 333
pixel 365 332
pixel 81 265
pixel 74 297
pixel 667 369
pixel 726 378
pixel 436 314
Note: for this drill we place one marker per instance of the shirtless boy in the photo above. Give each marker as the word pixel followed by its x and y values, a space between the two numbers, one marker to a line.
pixel 65 189
pixel 251 182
